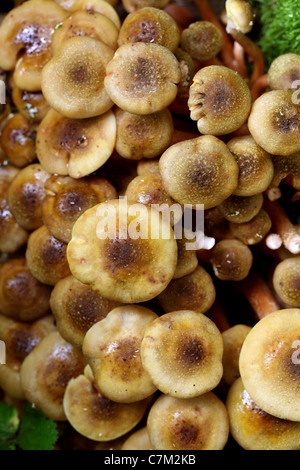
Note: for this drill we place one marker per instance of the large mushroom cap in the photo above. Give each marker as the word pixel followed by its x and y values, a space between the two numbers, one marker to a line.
pixel 199 423
pixel 269 364
pixel 124 250
pixel 182 352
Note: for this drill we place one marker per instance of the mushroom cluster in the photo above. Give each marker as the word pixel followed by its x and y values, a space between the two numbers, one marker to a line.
pixel 149 225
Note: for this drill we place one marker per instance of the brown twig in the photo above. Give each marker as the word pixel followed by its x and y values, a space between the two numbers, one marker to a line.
pixel 259 86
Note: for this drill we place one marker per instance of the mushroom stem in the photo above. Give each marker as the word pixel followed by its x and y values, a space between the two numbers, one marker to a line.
pixel 273 241
pixel 283 226
pixel 258 294
pixel 273 193
pixel 259 86
pixel 239 54
pixel 207 13
pixel 183 16
pixel 218 316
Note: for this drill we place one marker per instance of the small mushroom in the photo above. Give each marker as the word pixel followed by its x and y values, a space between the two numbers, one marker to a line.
pixel 241 14
pixel 269 364
pixel 195 291
pixel 143 136
pixel 199 171
pixel 219 100
pixel 25 34
pixel 142 78
pixel 31 104
pixel 22 297
pixel 20 339
pixel 202 40
pixel 182 353
pixel 26 194
pixel 103 420
pixel 187 261
pixel 104 7
pixel 46 372
pixel 75 147
pixel 86 23
pixel 256 168
pixel 18 140
pixel 199 423
pixel 112 348
pixel 286 281
pixel 150 25
pixel 231 260
pixel 134 5
pixel 254 231
pixel 233 339
pixel 124 250
pixel 68 198
pixel 254 429
pixel 138 440
pixel 274 122
pixel 284 71
pixel 146 166
pixel 46 257
pixel 79 69
pixel 241 209
pixel 76 308
pixel 287 166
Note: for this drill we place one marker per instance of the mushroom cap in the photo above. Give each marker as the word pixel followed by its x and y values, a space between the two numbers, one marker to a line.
pixel 103 419
pixel 79 68
pixel 231 260
pixel 274 122
pixel 150 25
pixel 254 231
pixel 46 372
pixel 241 14
pixel 194 291
pixel 86 23
pixel 142 78
pixel 203 40
pixel 199 171
pixel 26 194
pixel 26 33
pixel 17 140
pixel 253 428
pixel 182 353
pixel 219 100
pixel 145 166
pixel 67 198
pixel 118 252
pixel 287 166
pixel 76 308
pixel 233 339
pixel 269 364
pixel 187 261
pixel 133 5
pixel 46 257
pixel 199 423
pixel 138 440
pixel 256 168
pixel 112 349
pixel 286 281
pixel 104 7
pixel 284 71
pixel 241 209
pixel 143 136
pixel 31 104
pixel 75 147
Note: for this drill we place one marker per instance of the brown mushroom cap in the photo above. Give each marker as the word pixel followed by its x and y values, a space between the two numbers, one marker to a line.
pixel 195 291
pixel 132 265
pixel 46 372
pixel 18 140
pixel 142 78
pixel 31 104
pixel 199 171
pixel 138 440
pixel 150 25
pixel 286 281
pixel 187 261
pixel 231 260
pixel 254 231
pixel 112 348
pixel 26 34
pixel 86 23
pixel 133 5
pixel 145 166
pixel 253 428
pixel 103 419
pixel 241 14
pixel 143 136
pixel 199 423
pixel 202 40
pixel 46 257
pixel 22 297
pixel 75 147
pixel 79 69
pixel 274 122
pixel 20 338
pixel 26 194
pixel 76 308
pixel 287 166
pixel 219 100
pixel 182 353
pixel 104 7
pixel 240 209
pixel 68 198
pixel 233 339
pixel 269 364
pixel 283 71
pixel 256 168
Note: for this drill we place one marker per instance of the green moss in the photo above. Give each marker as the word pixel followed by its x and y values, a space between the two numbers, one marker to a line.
pixel 279 27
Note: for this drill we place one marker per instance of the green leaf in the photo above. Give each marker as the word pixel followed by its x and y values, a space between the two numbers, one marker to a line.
pixel 36 432
pixel 9 421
